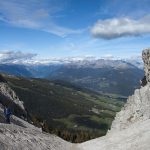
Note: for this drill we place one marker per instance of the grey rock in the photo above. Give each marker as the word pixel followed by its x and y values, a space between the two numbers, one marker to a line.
pixel 136 109
pixel 146 60
pixel 6 91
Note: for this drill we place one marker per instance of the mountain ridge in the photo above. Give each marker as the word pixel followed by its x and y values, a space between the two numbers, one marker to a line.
pixel 118 77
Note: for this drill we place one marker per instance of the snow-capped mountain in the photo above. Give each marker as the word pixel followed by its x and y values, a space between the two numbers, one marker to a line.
pixel 136 61
pixel 101 75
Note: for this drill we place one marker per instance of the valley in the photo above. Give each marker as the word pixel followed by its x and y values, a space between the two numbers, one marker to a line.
pixel 73 113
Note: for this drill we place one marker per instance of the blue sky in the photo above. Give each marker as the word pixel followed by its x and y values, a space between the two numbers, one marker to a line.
pixel 66 28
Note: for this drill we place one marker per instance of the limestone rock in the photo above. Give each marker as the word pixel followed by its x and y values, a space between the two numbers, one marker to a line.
pixel 135 137
pixel 6 91
pixel 146 60
pixel 136 109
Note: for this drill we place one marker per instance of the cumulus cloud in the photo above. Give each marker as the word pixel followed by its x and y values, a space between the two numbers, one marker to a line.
pixel 15 57
pixel 121 27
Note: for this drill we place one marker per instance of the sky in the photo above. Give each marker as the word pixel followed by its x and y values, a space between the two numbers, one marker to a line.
pixel 46 29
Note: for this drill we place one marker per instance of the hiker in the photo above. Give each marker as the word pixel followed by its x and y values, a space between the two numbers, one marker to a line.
pixel 7 113
pixel 143 82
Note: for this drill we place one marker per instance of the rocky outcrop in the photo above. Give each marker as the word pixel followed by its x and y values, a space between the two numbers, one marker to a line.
pixel 6 91
pixel 14 137
pixel 20 135
pixel 9 97
pixel 136 109
pixel 135 137
pixel 146 60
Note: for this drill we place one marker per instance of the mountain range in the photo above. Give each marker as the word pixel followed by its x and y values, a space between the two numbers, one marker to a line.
pixel 119 77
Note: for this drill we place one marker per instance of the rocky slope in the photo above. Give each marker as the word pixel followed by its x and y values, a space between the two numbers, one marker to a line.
pixel 136 137
pixel 9 97
pixel 130 129
pixel 20 135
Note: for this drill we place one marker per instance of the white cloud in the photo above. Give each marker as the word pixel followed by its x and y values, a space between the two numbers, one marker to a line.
pixel 61 31
pixel 18 57
pixel 15 57
pixel 121 27
pixel 108 57
pixel 34 14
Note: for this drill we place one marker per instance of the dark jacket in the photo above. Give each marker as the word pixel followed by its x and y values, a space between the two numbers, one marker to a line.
pixel 7 111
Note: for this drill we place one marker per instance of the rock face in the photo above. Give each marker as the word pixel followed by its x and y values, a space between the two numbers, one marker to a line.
pixel 14 137
pixel 136 109
pixel 9 97
pixel 6 91
pixel 135 137
pixel 20 135
pixel 146 60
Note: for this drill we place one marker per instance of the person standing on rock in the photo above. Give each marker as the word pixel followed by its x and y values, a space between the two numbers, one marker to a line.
pixel 7 113
pixel 143 82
